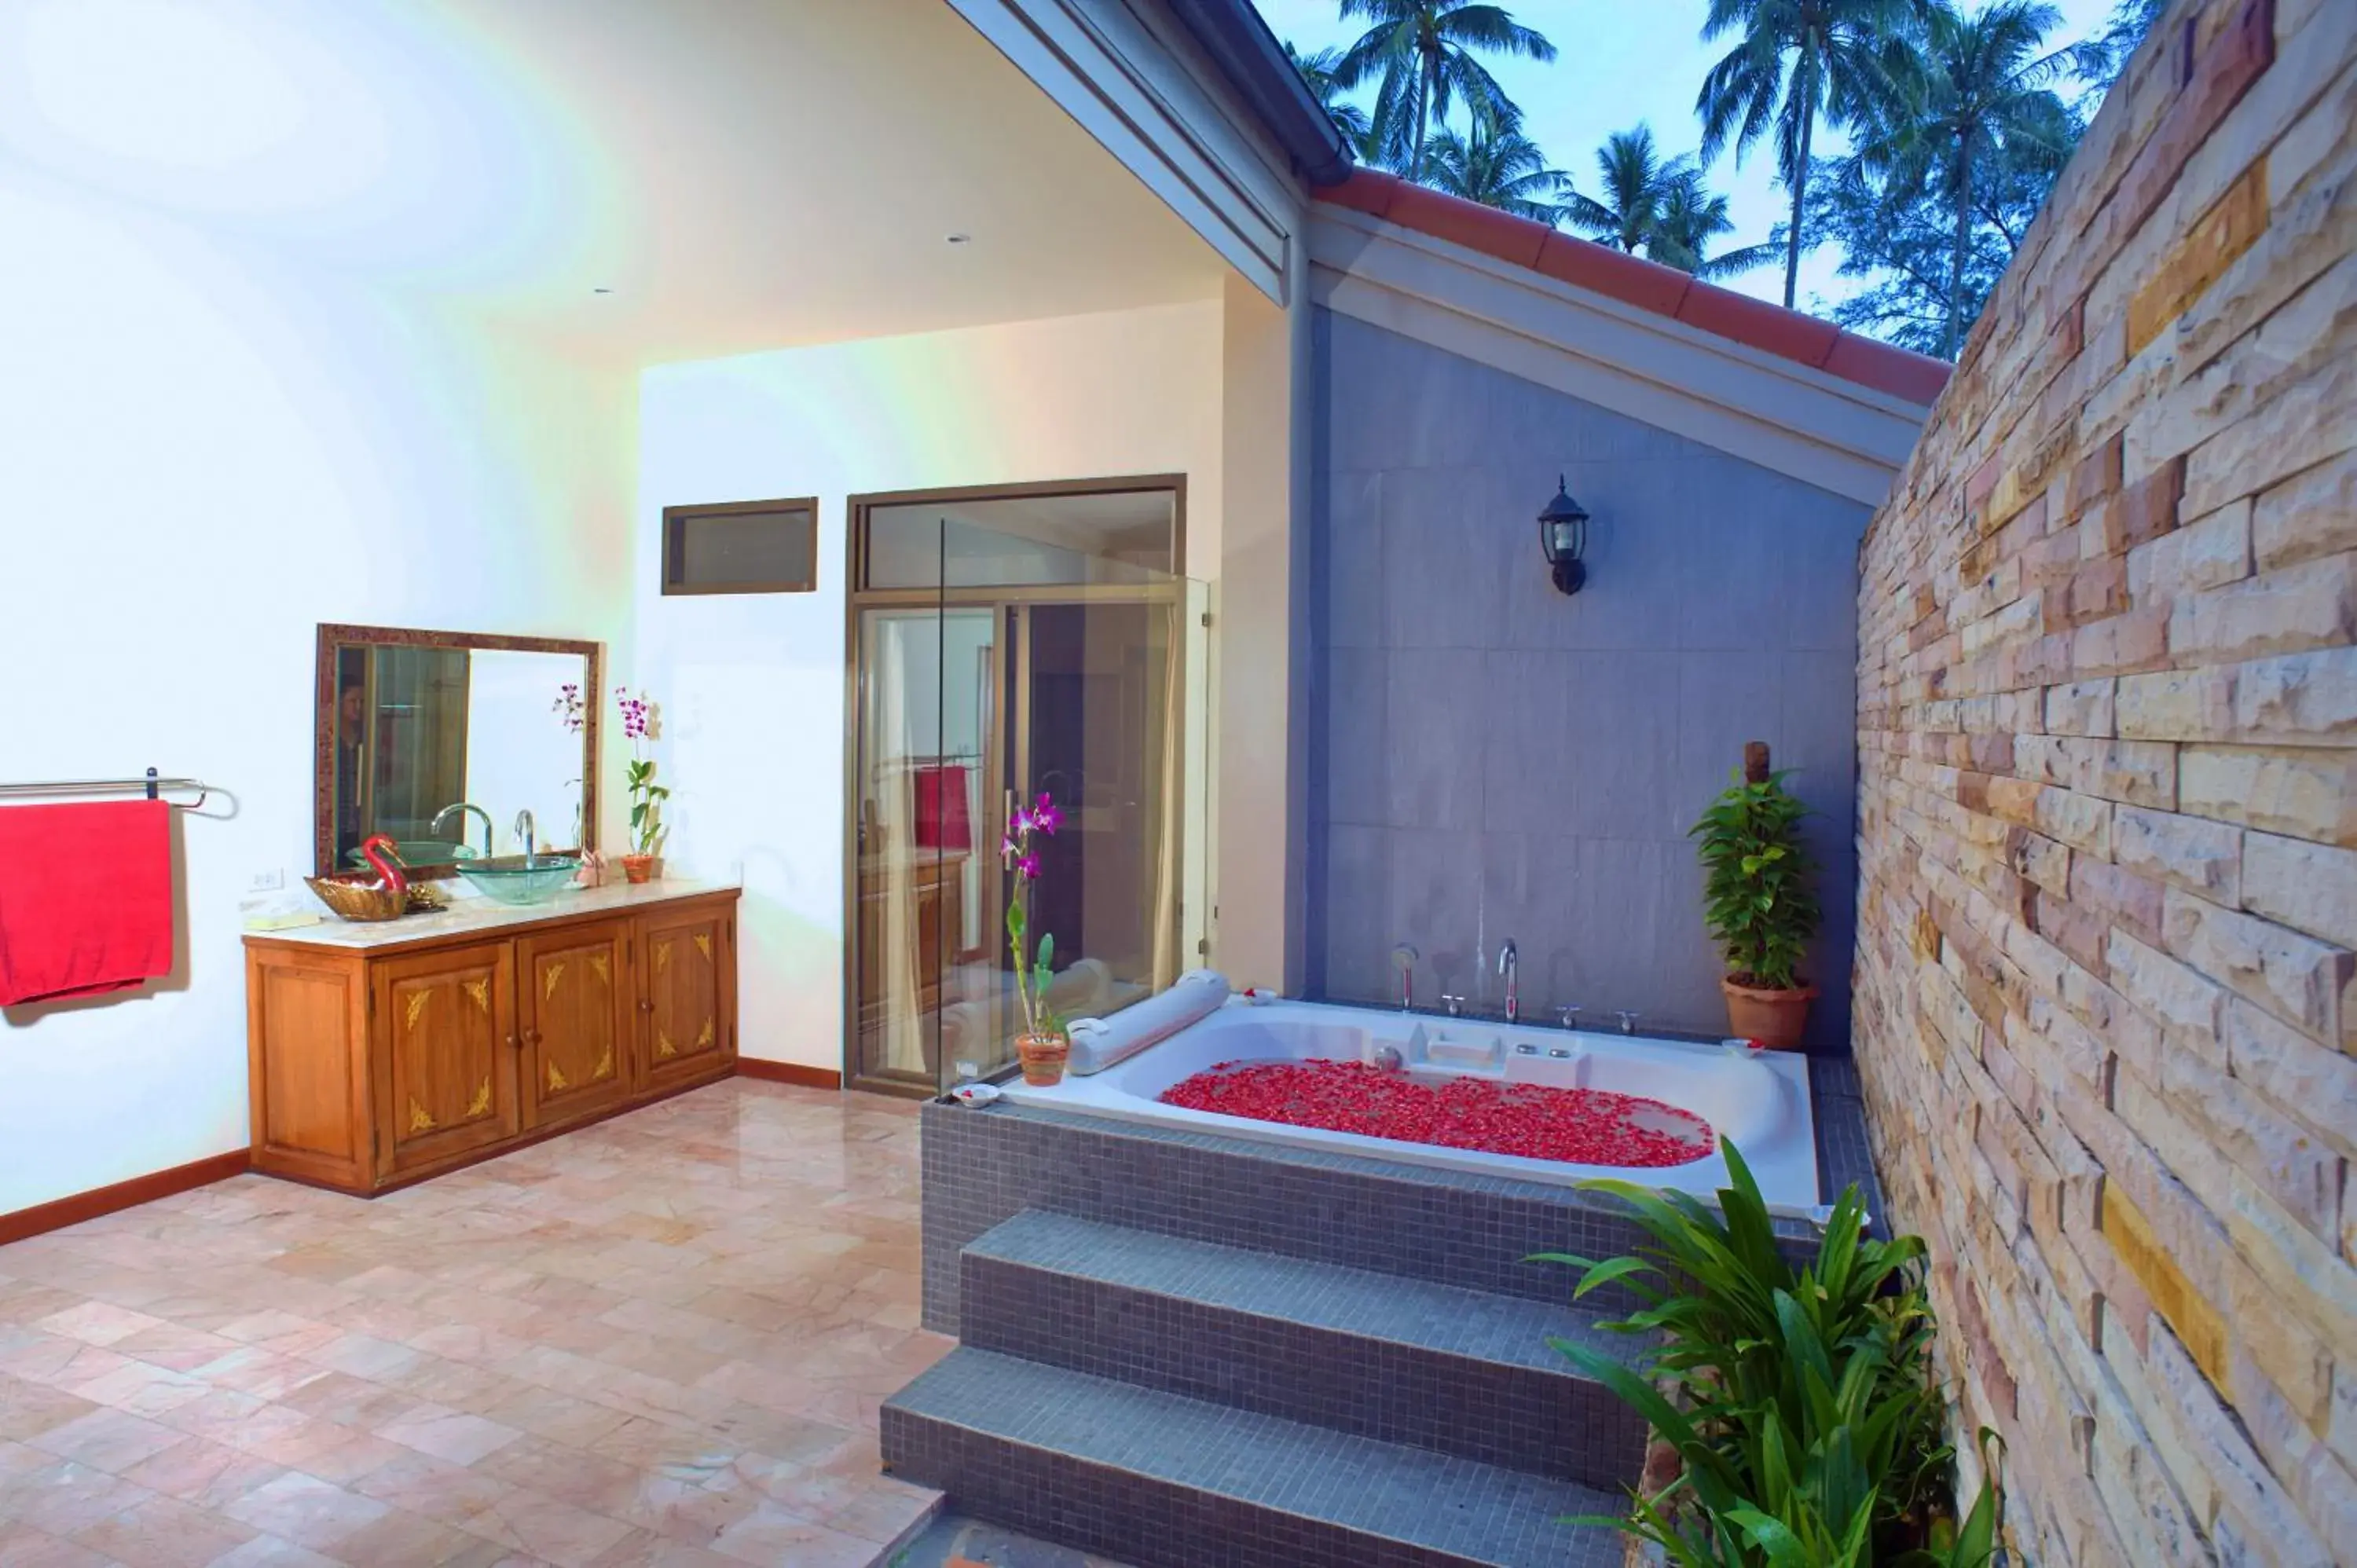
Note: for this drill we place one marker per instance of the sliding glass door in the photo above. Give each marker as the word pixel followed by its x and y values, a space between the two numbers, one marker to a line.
pixel 971 697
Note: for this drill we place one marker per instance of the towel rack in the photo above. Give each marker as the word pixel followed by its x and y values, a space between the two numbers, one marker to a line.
pixel 150 783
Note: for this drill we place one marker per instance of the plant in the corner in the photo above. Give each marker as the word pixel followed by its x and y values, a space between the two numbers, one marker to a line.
pixel 1760 905
pixel 1800 1402
pixel 638 722
pixel 1043 1048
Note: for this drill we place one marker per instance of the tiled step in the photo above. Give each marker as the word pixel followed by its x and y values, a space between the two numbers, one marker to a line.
pixel 1164 1481
pixel 1402 1360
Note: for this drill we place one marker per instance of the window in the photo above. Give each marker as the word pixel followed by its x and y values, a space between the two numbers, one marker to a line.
pixel 743 547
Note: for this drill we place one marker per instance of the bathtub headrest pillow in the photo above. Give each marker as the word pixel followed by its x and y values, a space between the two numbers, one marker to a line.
pixel 1098 1043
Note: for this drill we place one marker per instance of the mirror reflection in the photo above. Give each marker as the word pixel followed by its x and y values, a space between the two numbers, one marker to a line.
pixel 455 747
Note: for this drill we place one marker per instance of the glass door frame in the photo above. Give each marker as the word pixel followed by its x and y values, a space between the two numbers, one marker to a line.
pixel 860 598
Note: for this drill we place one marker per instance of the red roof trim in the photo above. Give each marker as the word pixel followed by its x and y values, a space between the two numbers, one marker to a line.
pixel 1648 285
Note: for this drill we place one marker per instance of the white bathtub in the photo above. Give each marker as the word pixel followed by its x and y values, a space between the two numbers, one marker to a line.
pixel 1760 1099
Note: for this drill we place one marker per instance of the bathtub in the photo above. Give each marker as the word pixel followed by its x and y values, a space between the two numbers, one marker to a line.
pixel 1758 1099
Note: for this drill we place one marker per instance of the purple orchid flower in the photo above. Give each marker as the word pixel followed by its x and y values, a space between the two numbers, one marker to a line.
pixel 1028 867
pixel 1046 816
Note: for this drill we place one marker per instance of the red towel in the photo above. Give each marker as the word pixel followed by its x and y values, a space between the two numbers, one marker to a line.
pixel 85 898
pixel 944 820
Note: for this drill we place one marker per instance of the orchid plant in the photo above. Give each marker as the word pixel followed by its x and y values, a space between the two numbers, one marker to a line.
pixel 1031 973
pixel 646 796
pixel 569 709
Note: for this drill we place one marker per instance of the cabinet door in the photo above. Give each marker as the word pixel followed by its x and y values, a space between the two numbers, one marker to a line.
pixel 690 994
pixel 577 1020
pixel 445 1023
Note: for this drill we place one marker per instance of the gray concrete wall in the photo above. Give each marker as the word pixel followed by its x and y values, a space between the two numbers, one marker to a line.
pixel 1490 759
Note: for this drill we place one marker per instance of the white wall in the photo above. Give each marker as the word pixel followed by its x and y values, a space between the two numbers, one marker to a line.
pixel 202 456
pixel 753 686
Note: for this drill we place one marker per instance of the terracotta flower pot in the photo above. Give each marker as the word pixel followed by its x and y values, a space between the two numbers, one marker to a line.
pixel 1043 1057
pixel 639 867
pixel 1774 1019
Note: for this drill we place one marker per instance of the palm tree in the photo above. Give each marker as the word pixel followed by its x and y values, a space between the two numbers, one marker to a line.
pixel 1498 166
pixel 1633 179
pixel 1422 52
pixel 1793 60
pixel 1686 219
pixel 1318 70
pixel 1968 96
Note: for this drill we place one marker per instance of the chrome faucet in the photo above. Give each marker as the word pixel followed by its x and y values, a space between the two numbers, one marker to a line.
pixel 1510 964
pixel 524 827
pixel 459 808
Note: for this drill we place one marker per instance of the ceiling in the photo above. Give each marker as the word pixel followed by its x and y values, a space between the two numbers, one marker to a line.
pixel 739 174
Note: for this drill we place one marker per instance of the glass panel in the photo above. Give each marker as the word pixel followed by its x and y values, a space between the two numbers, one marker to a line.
pixel 743 552
pixel 1118 537
pixel 987 698
pixel 924 875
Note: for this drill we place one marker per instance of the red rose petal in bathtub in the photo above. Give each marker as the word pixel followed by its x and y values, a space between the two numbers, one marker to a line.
pixel 1579 1126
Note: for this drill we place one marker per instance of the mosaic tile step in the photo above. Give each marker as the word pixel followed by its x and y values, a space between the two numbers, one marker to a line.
pixel 1165 1481
pixel 1404 1360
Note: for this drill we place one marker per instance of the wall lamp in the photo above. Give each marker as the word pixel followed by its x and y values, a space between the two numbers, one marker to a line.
pixel 1563 535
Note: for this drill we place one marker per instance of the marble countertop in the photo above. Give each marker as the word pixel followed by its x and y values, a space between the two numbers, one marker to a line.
pixel 466 916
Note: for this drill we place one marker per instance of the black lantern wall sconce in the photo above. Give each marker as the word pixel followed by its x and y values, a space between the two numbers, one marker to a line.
pixel 1563 535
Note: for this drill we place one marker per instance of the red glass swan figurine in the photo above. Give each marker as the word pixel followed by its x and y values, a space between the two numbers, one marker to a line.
pixel 378 851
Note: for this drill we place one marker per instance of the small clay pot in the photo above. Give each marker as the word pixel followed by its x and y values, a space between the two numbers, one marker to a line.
pixel 1774 1019
pixel 638 868
pixel 1043 1057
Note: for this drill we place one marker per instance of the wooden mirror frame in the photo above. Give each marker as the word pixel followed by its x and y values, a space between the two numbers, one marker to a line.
pixel 323 728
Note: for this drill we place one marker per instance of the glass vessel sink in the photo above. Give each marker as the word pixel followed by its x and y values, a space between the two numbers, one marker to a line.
pixel 422 852
pixel 520 878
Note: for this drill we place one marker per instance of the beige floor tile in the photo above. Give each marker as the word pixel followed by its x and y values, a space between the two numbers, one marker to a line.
pixel 656 1343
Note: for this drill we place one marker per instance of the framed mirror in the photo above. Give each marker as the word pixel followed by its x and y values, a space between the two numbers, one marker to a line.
pixel 442 739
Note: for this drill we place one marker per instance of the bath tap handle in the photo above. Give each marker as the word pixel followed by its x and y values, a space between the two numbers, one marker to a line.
pixel 1454 1004
pixel 1570 1016
pixel 1627 1016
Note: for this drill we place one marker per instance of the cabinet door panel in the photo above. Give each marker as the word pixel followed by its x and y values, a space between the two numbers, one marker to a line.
pixel 690 1017
pixel 577 1020
pixel 445 1024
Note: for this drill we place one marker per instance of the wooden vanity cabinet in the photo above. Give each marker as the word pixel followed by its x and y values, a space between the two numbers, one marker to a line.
pixel 372 1067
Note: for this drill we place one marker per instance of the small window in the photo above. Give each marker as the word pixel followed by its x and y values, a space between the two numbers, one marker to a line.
pixel 744 547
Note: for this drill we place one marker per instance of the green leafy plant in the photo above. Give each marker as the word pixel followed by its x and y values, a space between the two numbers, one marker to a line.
pixel 1757 892
pixel 1800 1400
pixel 646 796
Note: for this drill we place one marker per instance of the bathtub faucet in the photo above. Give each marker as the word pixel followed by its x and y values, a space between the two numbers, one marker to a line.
pixel 1510 964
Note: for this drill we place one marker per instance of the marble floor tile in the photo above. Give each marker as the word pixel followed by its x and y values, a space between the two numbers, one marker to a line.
pixel 658 1342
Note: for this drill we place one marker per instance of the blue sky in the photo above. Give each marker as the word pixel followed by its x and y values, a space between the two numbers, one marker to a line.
pixel 1620 61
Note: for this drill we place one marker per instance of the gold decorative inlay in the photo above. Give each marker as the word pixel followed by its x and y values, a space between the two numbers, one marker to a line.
pixel 663 1047
pixel 479 993
pixel 597 967
pixel 416 1009
pixel 481 1103
pixel 705 1039
pixel 704 943
pixel 549 976
pixel 556 1078
pixel 605 1068
pixel 420 1121
pixel 663 954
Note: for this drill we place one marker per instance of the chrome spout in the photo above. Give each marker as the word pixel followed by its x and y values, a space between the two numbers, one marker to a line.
pixel 459 808
pixel 524 831
pixel 1510 964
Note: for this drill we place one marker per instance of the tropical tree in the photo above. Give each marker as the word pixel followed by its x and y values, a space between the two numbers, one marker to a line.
pixel 1792 62
pixel 2104 56
pixel 1317 68
pixel 1421 55
pixel 1498 166
pixel 1687 218
pixel 1631 181
pixel 1969 100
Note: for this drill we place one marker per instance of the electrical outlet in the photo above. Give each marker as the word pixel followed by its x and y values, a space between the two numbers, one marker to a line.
pixel 267 882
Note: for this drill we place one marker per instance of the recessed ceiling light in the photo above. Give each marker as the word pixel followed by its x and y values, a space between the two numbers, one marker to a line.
pixel 601 290
pixel 961 238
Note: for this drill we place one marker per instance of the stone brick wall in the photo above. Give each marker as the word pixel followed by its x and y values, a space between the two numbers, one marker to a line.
pixel 2107 711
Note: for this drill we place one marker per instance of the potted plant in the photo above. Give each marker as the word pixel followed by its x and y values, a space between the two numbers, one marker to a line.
pixel 646 796
pixel 1759 902
pixel 1043 1048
